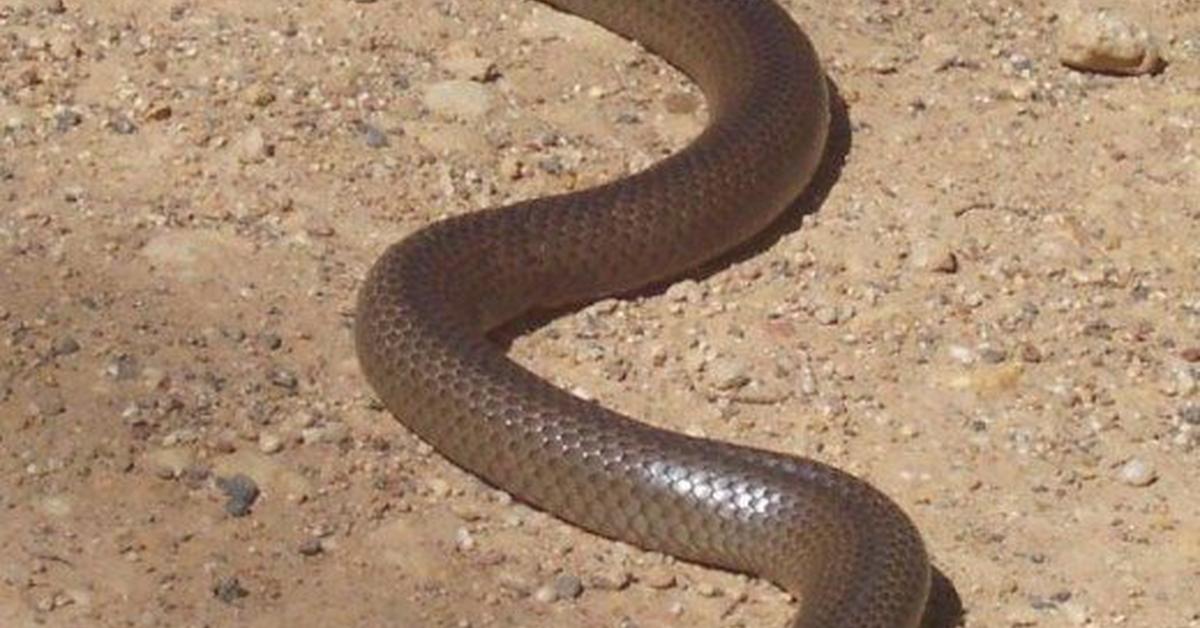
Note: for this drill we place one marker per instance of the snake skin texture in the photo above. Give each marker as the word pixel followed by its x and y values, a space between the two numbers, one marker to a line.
pixel 850 554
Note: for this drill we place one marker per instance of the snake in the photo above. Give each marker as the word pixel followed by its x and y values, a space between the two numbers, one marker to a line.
pixel 429 307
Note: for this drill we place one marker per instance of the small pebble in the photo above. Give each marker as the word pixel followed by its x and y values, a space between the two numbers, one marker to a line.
pixel 826 315
pixel 122 125
pixel 546 594
pixel 935 257
pixel 253 148
pixel 374 137
pixel 229 590
pixel 610 579
pixel 122 368
pixel 1102 41
pixel 727 374
pixel 65 346
pixel 242 492
pixel 259 96
pixel 463 540
pixel 567 586
pixel 1137 472
pixel 159 113
pixel 270 341
pixel 269 443
pixel 334 432
pixel 992 355
pixel 658 578
pixel 284 379
pixel 67 119
pixel 311 547
pixel 961 354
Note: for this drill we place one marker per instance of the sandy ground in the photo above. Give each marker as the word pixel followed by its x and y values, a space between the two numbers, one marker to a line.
pixel 992 312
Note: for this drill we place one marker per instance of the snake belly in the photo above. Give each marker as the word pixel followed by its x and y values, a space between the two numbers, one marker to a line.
pixel 424 312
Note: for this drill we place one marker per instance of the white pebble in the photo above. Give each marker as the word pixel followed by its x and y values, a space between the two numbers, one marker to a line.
pixel 1137 472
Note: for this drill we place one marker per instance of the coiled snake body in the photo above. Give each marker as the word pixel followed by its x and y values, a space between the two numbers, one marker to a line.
pixel 849 553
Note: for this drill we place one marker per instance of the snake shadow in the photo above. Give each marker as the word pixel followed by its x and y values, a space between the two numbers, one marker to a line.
pixel 944 607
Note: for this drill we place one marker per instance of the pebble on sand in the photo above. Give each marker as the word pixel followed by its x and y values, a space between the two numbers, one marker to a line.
pixel 1101 41
pixel 242 492
pixel 253 148
pixel 1137 472
pixel 229 590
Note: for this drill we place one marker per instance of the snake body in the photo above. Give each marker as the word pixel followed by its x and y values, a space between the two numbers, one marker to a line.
pixel 424 312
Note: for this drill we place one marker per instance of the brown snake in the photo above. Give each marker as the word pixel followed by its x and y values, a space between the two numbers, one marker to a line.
pixel 424 312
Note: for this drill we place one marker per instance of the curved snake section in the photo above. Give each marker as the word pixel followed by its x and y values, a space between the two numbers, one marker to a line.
pixel 424 312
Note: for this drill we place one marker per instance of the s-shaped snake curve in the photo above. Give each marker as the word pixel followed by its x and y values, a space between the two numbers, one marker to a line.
pixel 424 312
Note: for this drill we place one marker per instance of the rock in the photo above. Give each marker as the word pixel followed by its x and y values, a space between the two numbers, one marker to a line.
pixel 658 578
pixel 1101 41
pixel 567 586
pixel 545 594
pixel 122 368
pixel 259 96
pixel 728 374
pixel 374 137
pixel 311 547
pixel 961 354
pixel 121 124
pixel 610 578
pixel 1137 472
pixel 253 147
pixel 168 463
pixel 284 378
pixel 242 492
pixel 332 432
pixel 63 48
pixel 269 443
pixel 826 315
pixel 463 540
pixel 66 119
pixel 935 258
pixel 992 355
pixel 159 112
pixel 229 590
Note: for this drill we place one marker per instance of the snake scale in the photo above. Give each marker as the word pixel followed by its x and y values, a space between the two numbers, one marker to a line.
pixel 426 308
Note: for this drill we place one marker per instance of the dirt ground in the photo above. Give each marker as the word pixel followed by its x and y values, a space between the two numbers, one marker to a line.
pixel 992 311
